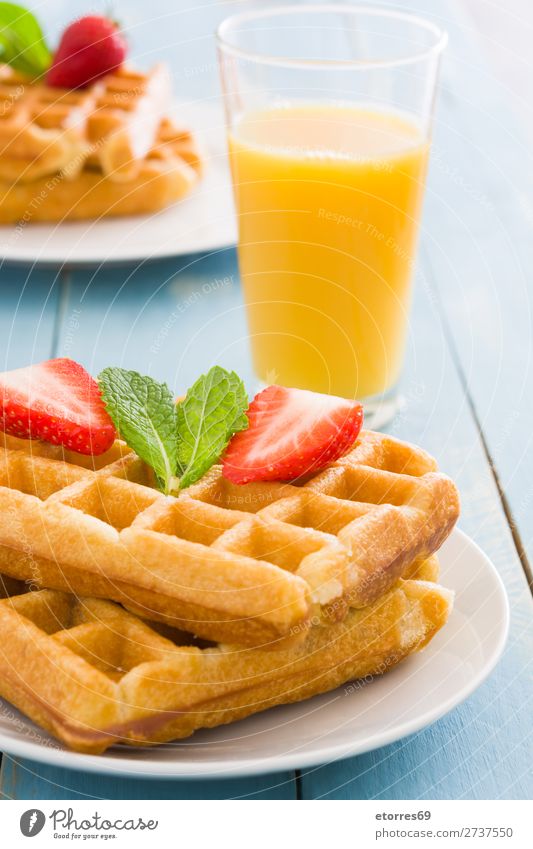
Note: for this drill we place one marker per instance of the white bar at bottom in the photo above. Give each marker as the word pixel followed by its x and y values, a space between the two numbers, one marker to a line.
pixel 267 824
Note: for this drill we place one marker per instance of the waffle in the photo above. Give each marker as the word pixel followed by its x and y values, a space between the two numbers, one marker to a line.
pixel 103 150
pixel 254 565
pixel 93 674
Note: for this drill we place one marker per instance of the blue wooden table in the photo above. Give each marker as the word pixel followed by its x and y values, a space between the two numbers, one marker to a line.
pixel 468 386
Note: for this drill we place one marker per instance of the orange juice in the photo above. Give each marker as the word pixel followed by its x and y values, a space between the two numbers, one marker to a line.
pixel 329 201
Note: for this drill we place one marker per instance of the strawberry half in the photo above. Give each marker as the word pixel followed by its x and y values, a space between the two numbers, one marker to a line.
pixel 89 48
pixel 59 402
pixel 292 432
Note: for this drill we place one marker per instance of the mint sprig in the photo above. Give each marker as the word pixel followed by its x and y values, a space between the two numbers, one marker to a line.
pixel 144 413
pixel 179 441
pixel 22 43
pixel 212 411
pixel 240 422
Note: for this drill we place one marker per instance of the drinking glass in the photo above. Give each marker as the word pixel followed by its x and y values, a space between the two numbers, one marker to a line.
pixel 329 110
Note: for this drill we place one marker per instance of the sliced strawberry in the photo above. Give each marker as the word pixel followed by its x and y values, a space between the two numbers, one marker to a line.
pixel 292 432
pixel 57 401
pixel 89 48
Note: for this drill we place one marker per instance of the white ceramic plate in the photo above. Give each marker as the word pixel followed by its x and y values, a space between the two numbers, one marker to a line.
pixel 349 721
pixel 204 221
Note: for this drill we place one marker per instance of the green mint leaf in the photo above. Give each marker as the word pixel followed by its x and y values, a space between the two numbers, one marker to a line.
pixel 22 43
pixel 212 411
pixel 144 413
pixel 240 421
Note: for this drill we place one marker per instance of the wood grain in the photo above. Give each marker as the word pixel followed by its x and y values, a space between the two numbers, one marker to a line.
pixel 481 262
pixel 28 311
pixel 22 779
pixel 172 319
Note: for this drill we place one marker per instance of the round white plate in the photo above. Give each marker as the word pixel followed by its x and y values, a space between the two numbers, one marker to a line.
pixel 352 720
pixel 203 221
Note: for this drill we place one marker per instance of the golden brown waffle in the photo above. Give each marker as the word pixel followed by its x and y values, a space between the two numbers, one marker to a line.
pixel 253 564
pixel 113 122
pixel 104 150
pixel 93 674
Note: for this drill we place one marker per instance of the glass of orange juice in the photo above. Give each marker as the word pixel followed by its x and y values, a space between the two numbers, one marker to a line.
pixel 329 111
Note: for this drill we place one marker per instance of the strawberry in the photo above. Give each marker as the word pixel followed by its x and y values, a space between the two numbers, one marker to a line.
pixel 89 48
pixel 57 401
pixel 291 433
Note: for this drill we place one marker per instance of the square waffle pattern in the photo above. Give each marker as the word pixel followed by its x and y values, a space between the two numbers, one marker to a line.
pixel 255 565
pixel 107 149
pixel 93 674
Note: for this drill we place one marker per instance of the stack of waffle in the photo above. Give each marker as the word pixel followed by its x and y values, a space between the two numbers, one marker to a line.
pixel 105 150
pixel 130 616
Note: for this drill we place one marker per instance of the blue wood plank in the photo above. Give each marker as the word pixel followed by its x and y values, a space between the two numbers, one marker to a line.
pixel 171 319
pixel 481 258
pixel 28 307
pixel 28 780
